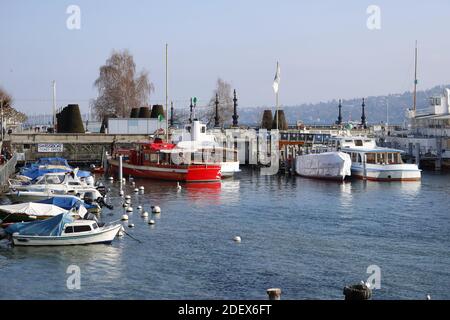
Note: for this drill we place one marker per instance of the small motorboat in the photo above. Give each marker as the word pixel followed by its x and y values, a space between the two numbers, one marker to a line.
pixel 61 230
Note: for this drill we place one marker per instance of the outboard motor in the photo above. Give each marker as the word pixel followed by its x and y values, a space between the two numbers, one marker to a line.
pixel 102 189
pixel 102 203
pixel 89 197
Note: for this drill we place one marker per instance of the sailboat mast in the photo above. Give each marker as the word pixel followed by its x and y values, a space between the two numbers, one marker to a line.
pixel 415 80
pixel 167 97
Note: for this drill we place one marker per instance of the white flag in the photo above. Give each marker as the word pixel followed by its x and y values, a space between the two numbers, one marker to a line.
pixel 276 81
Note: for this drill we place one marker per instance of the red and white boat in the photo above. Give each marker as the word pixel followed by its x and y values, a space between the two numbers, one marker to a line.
pixel 163 161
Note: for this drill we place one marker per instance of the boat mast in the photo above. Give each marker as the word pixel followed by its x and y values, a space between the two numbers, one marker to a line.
pixel 415 80
pixel 167 98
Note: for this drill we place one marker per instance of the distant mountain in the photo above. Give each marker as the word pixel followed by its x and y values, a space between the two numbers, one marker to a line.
pixel 327 112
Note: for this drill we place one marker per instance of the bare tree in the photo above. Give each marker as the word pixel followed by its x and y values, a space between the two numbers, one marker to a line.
pixel 119 87
pixel 10 114
pixel 225 95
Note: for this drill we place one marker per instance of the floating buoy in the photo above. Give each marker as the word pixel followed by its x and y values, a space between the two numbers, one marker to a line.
pixel 178 186
pixel 127 197
pixel 133 183
pixel 121 193
pixel 237 239
pixel 141 188
pixel 124 217
pixel 131 225
pixel 428 297
pixel 156 209
pixel 144 214
pixel 139 207
pixel 124 180
pixel 136 190
pixel 110 178
pixel 125 204
pixel 128 202
pixel 151 222
pixel 129 209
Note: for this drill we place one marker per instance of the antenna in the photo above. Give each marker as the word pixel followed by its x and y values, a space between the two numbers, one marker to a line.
pixel 415 80
pixel 167 97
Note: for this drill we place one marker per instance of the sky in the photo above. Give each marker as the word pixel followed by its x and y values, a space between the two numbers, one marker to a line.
pixel 325 48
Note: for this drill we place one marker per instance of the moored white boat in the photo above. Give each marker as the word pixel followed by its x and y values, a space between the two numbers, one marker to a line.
pixel 61 230
pixel 327 165
pixel 370 162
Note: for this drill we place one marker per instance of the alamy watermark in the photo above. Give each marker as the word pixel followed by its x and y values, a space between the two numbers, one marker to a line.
pixel 374 280
pixel 73 22
pixel 374 20
pixel 73 281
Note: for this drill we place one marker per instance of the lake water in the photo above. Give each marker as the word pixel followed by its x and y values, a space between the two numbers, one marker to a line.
pixel 308 237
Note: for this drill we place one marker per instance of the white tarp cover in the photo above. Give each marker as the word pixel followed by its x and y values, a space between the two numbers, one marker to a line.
pixel 324 165
pixel 33 209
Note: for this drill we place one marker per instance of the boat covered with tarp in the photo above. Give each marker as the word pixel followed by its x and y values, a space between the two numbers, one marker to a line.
pixel 49 165
pixel 61 230
pixel 69 202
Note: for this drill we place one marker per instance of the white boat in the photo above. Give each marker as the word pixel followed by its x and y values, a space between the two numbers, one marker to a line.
pixel 327 165
pixel 195 139
pixel 49 184
pixel 61 230
pixel 370 162
pixel 30 211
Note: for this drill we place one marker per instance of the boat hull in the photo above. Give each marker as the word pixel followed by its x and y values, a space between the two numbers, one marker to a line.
pixel 387 173
pixel 103 236
pixel 188 173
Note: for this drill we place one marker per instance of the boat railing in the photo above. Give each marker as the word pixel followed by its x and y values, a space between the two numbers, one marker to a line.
pixel 6 171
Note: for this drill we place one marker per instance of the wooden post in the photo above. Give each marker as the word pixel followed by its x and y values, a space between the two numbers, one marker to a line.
pixel 274 293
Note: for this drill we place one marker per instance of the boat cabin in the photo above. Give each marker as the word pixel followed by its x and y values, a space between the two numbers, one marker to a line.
pixel 381 156
pixel 80 226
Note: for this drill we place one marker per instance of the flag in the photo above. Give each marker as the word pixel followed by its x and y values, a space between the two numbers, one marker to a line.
pixel 276 80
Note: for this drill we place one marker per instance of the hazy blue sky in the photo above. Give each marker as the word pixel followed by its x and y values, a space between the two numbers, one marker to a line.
pixel 325 49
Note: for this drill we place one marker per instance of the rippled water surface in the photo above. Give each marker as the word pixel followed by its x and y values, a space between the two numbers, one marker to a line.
pixel 308 237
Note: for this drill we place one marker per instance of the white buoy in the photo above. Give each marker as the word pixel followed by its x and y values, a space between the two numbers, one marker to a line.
pixel 129 209
pixel 139 208
pixel 428 297
pixel 144 214
pixel 131 225
pixel 141 188
pixel 151 222
pixel 125 204
pixel 127 197
pixel 121 193
pixel 110 178
pixel 124 217
pixel 237 239
pixel 128 202
pixel 136 190
pixel 133 183
pixel 156 209
pixel 178 186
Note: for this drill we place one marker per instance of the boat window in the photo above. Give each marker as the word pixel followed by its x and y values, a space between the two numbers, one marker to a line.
pixel 68 230
pixel 358 143
pixel 381 158
pixel 81 228
pixel 359 158
pixel 203 129
pixel 146 157
pixel 54 179
pixel 74 183
pixel 370 158
pixel 94 226
pixel 354 156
